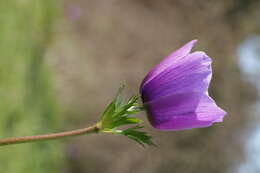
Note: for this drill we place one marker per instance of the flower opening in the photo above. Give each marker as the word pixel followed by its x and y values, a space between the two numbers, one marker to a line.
pixel 175 92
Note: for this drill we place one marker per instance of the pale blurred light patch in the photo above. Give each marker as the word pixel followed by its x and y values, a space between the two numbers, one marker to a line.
pixel 249 59
pixel 249 62
pixel 252 164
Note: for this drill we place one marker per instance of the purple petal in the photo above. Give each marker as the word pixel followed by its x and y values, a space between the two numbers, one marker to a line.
pixel 169 61
pixel 183 111
pixel 192 73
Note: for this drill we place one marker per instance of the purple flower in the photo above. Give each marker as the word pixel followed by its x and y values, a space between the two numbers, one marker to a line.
pixel 175 92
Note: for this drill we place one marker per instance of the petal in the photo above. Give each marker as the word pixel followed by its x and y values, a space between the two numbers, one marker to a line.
pixel 183 111
pixel 168 61
pixel 190 74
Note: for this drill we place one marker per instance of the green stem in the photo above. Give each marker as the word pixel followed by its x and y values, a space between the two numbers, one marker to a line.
pixel 26 139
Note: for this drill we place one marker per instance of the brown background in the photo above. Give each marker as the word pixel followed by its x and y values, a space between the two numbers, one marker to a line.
pixel 116 41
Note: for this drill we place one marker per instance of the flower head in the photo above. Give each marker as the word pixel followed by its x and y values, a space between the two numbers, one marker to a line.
pixel 175 92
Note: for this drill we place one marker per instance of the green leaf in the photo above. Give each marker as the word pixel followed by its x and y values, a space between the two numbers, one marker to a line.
pixel 138 136
pixel 118 114
pixel 119 96
pixel 125 121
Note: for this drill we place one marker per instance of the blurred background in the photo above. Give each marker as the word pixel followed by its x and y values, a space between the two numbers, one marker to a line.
pixel 61 63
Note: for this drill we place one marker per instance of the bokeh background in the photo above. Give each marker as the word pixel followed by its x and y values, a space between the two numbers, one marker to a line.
pixel 61 63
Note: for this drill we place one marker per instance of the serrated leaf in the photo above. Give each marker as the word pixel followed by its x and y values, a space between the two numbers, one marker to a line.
pixel 110 109
pixel 132 103
pixel 119 96
pixel 118 114
pixel 138 136
pixel 125 121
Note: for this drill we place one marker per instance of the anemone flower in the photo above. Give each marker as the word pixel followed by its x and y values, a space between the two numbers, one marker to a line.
pixel 175 92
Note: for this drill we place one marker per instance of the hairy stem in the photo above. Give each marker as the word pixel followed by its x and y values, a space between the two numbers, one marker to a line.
pixel 26 139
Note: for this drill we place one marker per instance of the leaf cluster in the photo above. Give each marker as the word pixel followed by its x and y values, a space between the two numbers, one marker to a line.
pixel 119 114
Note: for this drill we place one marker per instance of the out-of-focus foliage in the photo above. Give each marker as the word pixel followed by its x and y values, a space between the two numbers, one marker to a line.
pixel 27 103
